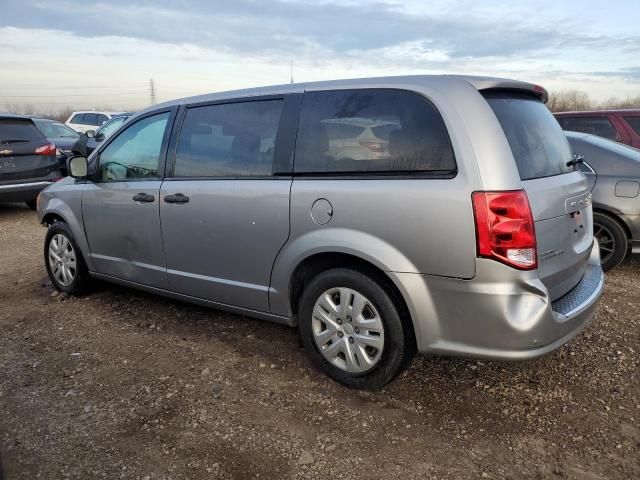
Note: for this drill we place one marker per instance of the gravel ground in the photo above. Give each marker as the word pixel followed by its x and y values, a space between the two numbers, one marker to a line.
pixel 121 384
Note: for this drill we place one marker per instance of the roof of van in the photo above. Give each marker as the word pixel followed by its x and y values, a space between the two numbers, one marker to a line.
pixel 480 83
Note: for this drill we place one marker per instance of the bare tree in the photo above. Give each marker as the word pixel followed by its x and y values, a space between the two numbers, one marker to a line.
pixel 569 100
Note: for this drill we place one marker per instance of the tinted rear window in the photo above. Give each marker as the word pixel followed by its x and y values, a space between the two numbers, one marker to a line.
pixel 600 126
pixel 371 131
pixel 634 123
pixel 16 130
pixel 537 142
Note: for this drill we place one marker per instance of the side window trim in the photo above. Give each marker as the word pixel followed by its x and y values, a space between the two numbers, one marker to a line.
pixel 163 148
pixel 284 144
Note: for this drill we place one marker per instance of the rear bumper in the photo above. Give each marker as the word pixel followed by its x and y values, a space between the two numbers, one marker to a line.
pixel 21 192
pixel 501 313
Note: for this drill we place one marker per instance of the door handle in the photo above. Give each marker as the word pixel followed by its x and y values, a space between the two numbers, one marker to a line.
pixel 176 198
pixel 143 197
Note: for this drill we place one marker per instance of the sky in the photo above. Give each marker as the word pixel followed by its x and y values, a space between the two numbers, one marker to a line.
pixel 85 54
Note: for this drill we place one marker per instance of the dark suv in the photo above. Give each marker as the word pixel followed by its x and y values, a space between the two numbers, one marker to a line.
pixel 619 125
pixel 28 161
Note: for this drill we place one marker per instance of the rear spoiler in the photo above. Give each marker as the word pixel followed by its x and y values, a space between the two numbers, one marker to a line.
pixel 483 84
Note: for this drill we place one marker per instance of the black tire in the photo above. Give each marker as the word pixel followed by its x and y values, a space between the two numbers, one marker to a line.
pixel 32 204
pixel 82 280
pixel 612 236
pixel 399 342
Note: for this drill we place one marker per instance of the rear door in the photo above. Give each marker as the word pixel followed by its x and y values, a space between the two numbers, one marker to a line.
pixel 559 194
pixel 19 162
pixel 225 207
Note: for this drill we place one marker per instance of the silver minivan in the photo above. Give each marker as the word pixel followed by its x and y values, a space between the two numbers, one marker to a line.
pixel 458 226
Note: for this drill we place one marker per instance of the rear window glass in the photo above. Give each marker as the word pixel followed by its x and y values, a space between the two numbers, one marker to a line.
pixel 15 130
pixel 537 142
pixel 371 131
pixel 634 123
pixel 600 126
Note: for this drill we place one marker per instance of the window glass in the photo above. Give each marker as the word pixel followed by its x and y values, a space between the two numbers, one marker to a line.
pixel 371 131
pixel 600 126
pixel 78 118
pixel 228 140
pixel 101 119
pixel 539 146
pixel 111 126
pixel 55 129
pixel 135 152
pixel 18 130
pixel 90 119
pixel 634 123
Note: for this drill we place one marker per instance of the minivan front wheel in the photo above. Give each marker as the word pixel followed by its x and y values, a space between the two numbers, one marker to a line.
pixel 353 330
pixel 612 240
pixel 65 265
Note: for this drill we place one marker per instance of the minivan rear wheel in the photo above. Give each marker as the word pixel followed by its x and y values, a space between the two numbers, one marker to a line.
pixel 612 240
pixel 352 329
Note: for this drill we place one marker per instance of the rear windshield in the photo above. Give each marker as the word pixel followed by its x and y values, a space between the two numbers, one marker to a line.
pixel 539 145
pixel 17 130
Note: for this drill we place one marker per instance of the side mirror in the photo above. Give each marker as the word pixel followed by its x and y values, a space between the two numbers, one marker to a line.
pixel 90 133
pixel 78 167
pixel 99 137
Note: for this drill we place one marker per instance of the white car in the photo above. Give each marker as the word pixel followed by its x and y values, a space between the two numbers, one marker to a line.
pixel 358 138
pixel 84 121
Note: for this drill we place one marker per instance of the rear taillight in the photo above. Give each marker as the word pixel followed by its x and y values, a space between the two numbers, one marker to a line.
pixel 504 228
pixel 49 149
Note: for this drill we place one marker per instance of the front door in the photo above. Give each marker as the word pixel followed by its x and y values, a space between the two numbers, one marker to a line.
pixel 120 208
pixel 224 213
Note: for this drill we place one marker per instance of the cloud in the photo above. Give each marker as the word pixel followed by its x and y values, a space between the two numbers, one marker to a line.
pixel 314 30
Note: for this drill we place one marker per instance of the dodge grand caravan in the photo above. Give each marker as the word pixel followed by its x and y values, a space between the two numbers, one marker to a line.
pixel 471 236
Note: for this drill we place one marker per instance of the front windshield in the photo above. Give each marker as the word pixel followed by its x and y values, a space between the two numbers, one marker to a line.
pixel 111 126
pixel 55 130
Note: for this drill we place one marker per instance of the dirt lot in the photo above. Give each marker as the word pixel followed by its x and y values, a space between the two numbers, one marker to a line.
pixel 121 384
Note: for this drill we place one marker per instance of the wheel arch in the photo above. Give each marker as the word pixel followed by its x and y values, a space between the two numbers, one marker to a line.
pixel 616 217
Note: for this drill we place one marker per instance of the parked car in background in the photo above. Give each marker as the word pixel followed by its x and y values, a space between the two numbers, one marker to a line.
pixel 28 161
pixel 63 137
pixel 613 171
pixel 358 138
pixel 473 237
pixel 88 120
pixel 619 125
pixel 92 139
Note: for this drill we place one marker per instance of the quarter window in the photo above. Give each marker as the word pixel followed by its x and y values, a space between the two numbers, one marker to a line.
pixel 371 131
pixel 600 126
pixel 135 153
pixel 228 140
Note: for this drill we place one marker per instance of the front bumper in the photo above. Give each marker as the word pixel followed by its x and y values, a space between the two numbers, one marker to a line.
pixel 21 192
pixel 501 313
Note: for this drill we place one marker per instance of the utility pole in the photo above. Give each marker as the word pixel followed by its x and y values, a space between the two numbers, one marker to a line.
pixel 152 92
pixel 291 65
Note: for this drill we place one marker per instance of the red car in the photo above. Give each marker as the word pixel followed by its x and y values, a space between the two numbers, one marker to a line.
pixel 620 125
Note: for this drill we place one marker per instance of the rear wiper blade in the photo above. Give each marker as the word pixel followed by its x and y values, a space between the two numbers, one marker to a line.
pixel 575 160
